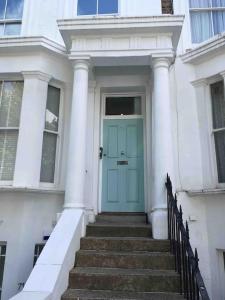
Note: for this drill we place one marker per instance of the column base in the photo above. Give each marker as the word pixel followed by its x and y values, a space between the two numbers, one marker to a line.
pixel 71 205
pixel 160 224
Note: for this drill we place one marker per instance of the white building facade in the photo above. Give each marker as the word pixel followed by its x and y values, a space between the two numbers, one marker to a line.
pixel 86 82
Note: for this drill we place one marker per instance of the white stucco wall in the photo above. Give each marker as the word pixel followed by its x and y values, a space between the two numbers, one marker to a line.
pixel 26 216
pixel 24 219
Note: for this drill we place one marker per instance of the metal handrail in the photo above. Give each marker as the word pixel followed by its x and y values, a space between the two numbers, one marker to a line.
pixel 186 261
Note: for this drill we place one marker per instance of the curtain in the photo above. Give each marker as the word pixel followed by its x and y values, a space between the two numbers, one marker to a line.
pixel 201 26
pixel 218 110
pixel 218 3
pixel 200 3
pixel 50 138
pixel 10 106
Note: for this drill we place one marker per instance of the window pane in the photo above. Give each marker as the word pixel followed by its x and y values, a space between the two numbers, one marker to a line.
pixel 123 106
pixel 48 157
pixel 107 7
pixel 2 9
pixel 1 30
pixel 201 26
pixel 14 9
pixel 218 105
pixel 220 154
pixel 2 264
pixel 12 29
pixel 3 250
pixel 218 3
pixel 52 110
pixel 87 7
pixel 200 3
pixel 8 146
pixel 10 103
pixel 219 21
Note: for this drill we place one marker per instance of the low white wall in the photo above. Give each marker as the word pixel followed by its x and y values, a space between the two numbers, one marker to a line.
pixel 24 219
pixel 49 278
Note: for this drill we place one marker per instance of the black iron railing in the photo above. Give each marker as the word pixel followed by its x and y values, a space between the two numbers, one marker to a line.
pixel 186 261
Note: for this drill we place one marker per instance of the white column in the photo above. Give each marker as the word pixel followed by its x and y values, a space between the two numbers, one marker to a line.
pixel 32 121
pixel 74 194
pixel 162 156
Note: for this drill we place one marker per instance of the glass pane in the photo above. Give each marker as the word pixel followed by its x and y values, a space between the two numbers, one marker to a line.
pixel 219 21
pixel 10 103
pixel 3 250
pixel 201 26
pixel 220 154
pixel 2 264
pixel 218 3
pixel 8 146
pixel 12 29
pixel 218 105
pixel 14 9
pixel 107 7
pixel 48 157
pixel 87 7
pixel 123 106
pixel 200 3
pixel 2 30
pixel 52 110
pixel 2 9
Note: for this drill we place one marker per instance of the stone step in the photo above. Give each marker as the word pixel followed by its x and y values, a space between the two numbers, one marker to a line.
pixel 118 230
pixel 131 218
pixel 109 295
pixel 124 244
pixel 127 260
pixel 134 280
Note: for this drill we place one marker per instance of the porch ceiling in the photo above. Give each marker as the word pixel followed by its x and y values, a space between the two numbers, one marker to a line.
pixel 124 40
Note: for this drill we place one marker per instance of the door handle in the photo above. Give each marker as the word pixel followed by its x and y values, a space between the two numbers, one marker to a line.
pixel 100 152
pixel 122 153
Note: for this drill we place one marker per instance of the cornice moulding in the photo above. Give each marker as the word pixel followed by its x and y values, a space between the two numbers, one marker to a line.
pixel 205 51
pixel 118 26
pixel 21 44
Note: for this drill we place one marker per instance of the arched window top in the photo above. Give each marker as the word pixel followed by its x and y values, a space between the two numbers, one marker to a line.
pixel 97 7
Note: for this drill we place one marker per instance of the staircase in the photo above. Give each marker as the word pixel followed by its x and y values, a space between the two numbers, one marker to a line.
pixel 119 260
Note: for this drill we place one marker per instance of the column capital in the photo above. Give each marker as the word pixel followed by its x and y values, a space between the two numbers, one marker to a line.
pixel 161 62
pixel 36 74
pixel 81 63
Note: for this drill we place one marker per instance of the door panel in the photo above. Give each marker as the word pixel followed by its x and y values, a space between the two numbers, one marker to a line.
pixel 123 166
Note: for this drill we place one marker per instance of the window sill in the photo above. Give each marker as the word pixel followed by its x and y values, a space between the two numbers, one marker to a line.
pixel 31 190
pixel 205 192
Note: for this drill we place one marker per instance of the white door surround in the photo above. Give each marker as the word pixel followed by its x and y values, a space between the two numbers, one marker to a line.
pixel 118 42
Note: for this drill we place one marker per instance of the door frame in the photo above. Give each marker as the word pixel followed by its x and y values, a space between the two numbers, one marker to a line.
pixel 103 117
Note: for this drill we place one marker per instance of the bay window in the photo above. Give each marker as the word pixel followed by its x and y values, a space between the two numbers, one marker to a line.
pixel 11 12
pixel 50 136
pixel 218 111
pixel 207 19
pixel 10 106
pixel 97 7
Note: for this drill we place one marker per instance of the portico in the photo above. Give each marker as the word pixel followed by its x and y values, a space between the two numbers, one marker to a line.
pixel 127 42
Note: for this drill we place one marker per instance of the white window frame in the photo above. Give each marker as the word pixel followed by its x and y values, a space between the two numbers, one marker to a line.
pixel 212 135
pixel 210 9
pixel 56 182
pixel 5 21
pixel 9 182
pixel 99 15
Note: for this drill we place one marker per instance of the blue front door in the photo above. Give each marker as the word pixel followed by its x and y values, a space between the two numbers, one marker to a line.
pixel 123 166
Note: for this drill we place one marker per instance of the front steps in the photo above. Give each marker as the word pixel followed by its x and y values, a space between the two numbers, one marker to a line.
pixel 119 260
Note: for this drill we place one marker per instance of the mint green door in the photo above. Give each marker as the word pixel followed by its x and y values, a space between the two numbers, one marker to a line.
pixel 123 166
